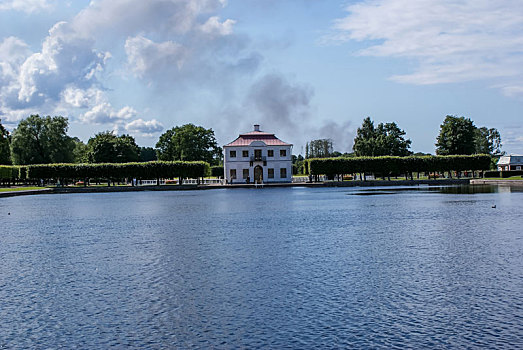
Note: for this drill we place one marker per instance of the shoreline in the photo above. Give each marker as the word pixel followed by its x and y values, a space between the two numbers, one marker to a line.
pixel 368 183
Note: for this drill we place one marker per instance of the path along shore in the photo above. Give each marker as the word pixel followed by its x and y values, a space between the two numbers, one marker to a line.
pixel 368 183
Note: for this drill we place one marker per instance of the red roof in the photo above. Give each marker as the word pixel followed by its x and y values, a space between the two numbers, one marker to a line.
pixel 251 136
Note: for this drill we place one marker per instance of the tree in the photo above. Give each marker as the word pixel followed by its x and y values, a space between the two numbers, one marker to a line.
pixel 147 154
pixel 321 148
pixel 456 136
pixel 189 143
pixel 42 140
pixel 79 151
pixel 106 147
pixel 5 140
pixel 384 140
pixel 487 141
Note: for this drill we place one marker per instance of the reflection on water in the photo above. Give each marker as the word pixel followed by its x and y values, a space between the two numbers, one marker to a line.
pixel 298 268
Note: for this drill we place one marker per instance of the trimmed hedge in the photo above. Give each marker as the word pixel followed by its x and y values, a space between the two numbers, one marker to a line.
pixel 8 172
pixel 217 171
pixel 385 166
pixel 147 170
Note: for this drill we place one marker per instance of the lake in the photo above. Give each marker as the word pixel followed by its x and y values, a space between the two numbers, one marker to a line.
pixel 293 268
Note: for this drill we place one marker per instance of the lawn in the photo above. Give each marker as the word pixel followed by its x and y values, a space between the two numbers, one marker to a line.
pixel 505 178
pixel 14 189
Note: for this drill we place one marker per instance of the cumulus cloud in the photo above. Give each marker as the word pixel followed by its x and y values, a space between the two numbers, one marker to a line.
pixel 450 40
pixel 144 127
pixel 104 113
pixel 147 58
pixel 28 6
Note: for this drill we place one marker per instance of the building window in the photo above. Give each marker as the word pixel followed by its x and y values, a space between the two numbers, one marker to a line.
pixel 283 173
pixel 270 153
pixel 283 153
pixel 270 173
pixel 257 154
pixel 518 168
pixel 245 154
pixel 233 174
pixel 245 174
pixel 232 154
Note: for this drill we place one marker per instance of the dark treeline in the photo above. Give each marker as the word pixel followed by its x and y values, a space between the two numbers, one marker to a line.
pixel 393 166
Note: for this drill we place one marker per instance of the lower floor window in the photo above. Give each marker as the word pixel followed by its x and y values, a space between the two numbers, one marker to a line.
pixel 270 173
pixel 245 173
pixel 233 174
pixel 283 173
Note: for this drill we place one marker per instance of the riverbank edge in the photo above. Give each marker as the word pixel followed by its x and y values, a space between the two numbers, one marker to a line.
pixel 369 183
pixel 497 182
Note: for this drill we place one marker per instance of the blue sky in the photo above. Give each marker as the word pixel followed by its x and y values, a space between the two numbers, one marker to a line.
pixel 303 69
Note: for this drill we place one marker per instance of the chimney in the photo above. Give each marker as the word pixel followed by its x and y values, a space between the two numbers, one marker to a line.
pixel 256 127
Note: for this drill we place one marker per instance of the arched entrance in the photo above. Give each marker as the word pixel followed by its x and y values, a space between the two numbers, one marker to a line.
pixel 258 174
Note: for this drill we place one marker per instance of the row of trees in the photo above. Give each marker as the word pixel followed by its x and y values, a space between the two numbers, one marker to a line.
pixel 110 171
pixel 389 165
pixel 44 140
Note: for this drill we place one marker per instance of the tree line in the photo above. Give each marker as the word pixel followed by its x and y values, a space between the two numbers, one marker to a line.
pixel 44 140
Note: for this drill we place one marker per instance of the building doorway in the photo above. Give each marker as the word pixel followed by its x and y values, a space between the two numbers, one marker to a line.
pixel 258 174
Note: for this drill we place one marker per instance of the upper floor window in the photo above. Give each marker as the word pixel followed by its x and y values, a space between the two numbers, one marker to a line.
pixel 283 153
pixel 232 154
pixel 245 154
pixel 270 153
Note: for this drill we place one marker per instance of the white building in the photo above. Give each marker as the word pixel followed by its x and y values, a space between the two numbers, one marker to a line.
pixel 511 162
pixel 257 157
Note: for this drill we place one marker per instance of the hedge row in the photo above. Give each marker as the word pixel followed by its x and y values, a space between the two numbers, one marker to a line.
pixel 8 172
pixel 217 171
pixel 148 170
pixel 385 166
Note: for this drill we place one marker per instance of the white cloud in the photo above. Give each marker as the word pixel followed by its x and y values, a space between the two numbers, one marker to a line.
pixel 144 127
pixel 214 26
pixel 450 40
pixel 28 6
pixel 146 57
pixel 104 113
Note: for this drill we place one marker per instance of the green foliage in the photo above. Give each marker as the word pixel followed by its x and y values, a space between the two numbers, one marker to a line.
pixel 189 143
pixel 148 170
pixel 487 141
pixel 5 141
pixel 384 140
pixel 79 151
pixel 147 154
pixel 42 140
pixel 217 171
pixel 321 148
pixel 105 147
pixel 456 136
pixel 393 165
pixel 12 172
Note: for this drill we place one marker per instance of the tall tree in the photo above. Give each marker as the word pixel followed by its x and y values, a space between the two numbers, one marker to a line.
pixel 487 141
pixel 105 147
pixel 147 154
pixel 189 143
pixel 42 140
pixel 5 140
pixel 321 148
pixel 80 151
pixel 456 136
pixel 384 140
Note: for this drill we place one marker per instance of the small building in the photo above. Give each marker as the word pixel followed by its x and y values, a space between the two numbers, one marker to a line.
pixel 257 157
pixel 511 162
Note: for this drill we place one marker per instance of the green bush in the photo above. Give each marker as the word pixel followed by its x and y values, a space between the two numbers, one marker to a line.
pixel 217 171
pixel 113 171
pixel 386 166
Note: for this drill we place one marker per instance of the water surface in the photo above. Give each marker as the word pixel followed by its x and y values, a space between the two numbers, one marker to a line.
pixel 298 268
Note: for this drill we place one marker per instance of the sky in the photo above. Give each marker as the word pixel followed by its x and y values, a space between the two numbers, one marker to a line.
pixel 302 69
